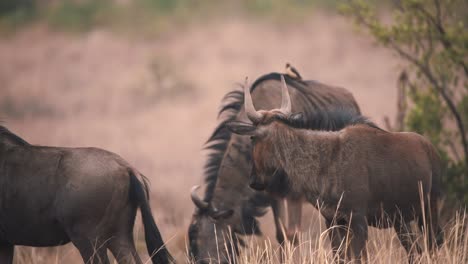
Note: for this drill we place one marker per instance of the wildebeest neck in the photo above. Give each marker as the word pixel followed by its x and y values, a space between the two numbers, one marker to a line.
pixel 299 150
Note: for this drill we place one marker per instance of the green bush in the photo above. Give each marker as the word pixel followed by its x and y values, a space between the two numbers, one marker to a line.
pixel 77 15
pixel 431 36
pixel 15 12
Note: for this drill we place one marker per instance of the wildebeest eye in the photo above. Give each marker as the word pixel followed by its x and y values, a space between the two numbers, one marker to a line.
pixel 252 138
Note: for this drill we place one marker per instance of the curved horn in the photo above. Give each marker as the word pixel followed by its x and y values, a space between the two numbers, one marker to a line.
pixel 252 114
pixel 285 99
pixel 196 200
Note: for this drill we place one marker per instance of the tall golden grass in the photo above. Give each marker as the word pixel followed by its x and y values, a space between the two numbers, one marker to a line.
pixel 383 247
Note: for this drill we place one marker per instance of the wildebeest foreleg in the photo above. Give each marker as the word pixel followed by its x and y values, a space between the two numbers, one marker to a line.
pixel 294 220
pixel 277 205
pixel 359 236
pixel 407 239
pixel 6 253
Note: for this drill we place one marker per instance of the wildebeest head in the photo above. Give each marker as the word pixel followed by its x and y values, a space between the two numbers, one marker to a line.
pixel 265 166
pixel 209 230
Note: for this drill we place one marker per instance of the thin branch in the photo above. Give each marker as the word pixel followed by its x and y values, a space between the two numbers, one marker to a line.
pixel 402 101
pixel 388 124
pixel 438 10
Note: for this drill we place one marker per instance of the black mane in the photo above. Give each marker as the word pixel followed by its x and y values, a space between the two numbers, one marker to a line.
pixel 218 141
pixel 333 120
pixel 4 132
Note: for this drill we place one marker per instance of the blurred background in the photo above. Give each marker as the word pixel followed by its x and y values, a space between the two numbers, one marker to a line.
pixel 144 79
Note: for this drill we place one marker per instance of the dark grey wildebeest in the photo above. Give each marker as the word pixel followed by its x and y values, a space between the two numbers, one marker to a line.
pixel 230 207
pixel 50 196
pixel 358 176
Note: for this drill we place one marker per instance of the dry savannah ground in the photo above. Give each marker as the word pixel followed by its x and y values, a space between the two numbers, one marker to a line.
pixel 154 101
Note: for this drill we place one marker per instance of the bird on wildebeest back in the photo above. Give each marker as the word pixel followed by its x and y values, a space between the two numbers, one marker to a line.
pixel 292 72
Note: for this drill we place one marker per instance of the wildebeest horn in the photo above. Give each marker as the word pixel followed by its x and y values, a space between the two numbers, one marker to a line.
pixel 196 200
pixel 252 114
pixel 285 99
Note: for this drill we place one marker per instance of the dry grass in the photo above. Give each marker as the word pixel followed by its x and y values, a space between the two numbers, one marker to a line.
pixel 383 248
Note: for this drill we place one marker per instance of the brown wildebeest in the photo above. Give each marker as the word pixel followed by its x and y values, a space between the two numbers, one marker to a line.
pixel 230 207
pixel 50 196
pixel 358 176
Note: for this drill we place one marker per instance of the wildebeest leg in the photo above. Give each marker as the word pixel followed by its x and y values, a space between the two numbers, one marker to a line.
pixel 294 220
pixel 123 249
pixel 337 231
pixel 407 239
pixel 434 234
pixel 277 205
pixel 359 236
pixel 6 253
pixel 438 233
pixel 91 252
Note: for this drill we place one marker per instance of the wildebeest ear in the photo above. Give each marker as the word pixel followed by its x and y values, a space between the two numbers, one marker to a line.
pixel 222 214
pixel 297 117
pixel 240 128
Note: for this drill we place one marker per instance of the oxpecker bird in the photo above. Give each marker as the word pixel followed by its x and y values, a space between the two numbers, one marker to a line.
pixel 292 72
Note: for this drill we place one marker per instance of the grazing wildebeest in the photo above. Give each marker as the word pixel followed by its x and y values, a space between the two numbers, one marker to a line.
pixel 358 176
pixel 50 196
pixel 230 207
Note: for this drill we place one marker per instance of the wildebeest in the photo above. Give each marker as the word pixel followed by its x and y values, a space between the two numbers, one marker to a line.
pixel 50 196
pixel 358 176
pixel 230 207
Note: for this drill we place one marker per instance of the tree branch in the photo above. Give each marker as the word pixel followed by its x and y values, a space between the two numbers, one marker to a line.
pixel 437 23
pixel 440 90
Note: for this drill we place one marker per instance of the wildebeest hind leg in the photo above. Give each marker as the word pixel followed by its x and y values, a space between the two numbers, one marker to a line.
pixel 407 239
pixel 433 232
pixel 6 253
pixel 123 249
pixel 92 252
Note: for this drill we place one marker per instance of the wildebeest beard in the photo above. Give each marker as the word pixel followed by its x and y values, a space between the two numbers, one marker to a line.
pixel 278 184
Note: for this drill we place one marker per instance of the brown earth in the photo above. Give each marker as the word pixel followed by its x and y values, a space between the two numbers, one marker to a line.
pixel 154 100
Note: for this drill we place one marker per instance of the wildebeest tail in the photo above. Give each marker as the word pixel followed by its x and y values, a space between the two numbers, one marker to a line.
pixel 154 242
